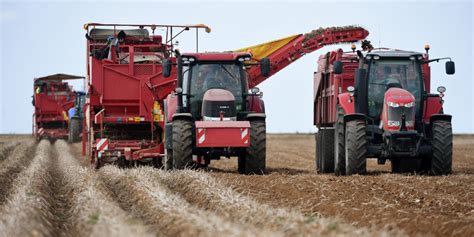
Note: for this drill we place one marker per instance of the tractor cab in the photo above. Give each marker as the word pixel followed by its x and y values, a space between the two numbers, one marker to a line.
pixel 394 87
pixel 212 114
pixel 214 86
pixel 77 110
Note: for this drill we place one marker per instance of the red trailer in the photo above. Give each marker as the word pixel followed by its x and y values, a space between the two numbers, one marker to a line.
pixel 53 97
pixel 378 104
pixel 123 111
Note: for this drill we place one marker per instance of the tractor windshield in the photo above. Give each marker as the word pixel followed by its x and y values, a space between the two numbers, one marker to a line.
pixel 214 76
pixel 387 73
pixel 80 99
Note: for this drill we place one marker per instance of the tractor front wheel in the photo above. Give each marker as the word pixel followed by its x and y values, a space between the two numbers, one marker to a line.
pixel 182 153
pixel 74 130
pixel 339 147
pixel 356 147
pixel 442 142
pixel 254 160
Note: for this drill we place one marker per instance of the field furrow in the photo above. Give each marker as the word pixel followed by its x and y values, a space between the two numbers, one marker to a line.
pixel 18 159
pixel 92 211
pixel 51 190
pixel 27 211
pixel 207 192
pixel 138 192
pixel 6 148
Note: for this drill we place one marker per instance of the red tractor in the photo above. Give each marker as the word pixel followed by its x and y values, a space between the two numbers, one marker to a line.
pixel 53 97
pixel 126 89
pixel 212 113
pixel 378 104
pixel 217 110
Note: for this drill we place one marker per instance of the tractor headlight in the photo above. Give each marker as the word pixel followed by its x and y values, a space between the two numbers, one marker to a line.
pixel 255 90
pixel 409 105
pixel 441 89
pixel 392 123
pixel 393 104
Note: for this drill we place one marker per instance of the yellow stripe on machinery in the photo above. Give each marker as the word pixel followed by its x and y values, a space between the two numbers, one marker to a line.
pixel 263 50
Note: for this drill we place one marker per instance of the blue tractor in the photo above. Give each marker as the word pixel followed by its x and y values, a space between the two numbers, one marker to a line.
pixel 76 115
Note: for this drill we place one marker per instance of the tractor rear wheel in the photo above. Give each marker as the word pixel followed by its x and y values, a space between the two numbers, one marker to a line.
pixel 74 130
pixel 254 160
pixel 356 147
pixel 442 142
pixel 339 148
pixel 325 151
pixel 182 144
pixel 318 151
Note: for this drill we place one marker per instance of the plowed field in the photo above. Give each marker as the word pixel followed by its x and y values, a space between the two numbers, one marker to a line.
pixel 47 189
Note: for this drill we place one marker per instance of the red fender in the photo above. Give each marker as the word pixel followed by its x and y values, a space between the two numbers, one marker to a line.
pixel 432 106
pixel 171 106
pixel 347 103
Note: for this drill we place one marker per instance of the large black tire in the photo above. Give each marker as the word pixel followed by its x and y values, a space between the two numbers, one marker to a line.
pixel 442 159
pixel 339 148
pixel 182 144
pixel 406 165
pixel 356 147
pixel 254 160
pixel 325 155
pixel 75 129
pixel 318 139
pixel 168 160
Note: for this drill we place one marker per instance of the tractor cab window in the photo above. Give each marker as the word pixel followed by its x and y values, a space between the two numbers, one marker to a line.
pixel 80 100
pixel 214 76
pixel 385 74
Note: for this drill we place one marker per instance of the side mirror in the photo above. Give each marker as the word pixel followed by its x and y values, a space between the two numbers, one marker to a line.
pixel 265 66
pixel 450 68
pixel 337 67
pixel 166 68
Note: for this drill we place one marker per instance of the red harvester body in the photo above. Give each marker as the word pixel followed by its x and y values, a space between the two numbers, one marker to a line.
pixel 124 116
pixel 53 97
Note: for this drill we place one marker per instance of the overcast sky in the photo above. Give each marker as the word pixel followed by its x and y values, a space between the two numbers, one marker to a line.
pixel 44 38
